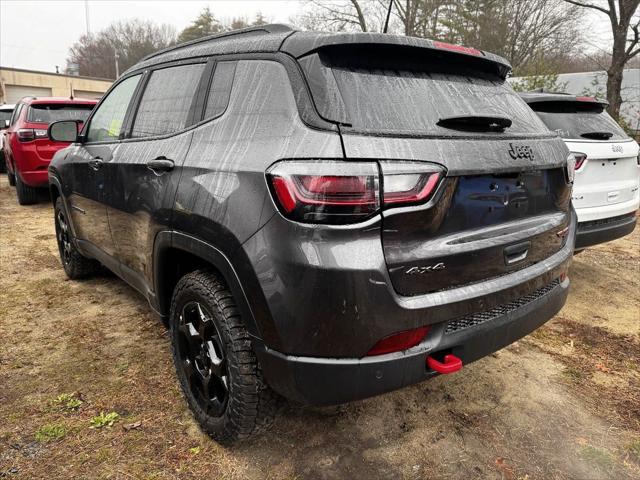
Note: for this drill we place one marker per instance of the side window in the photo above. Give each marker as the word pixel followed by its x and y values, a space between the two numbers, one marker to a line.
pixel 166 100
pixel 16 114
pixel 220 89
pixel 106 123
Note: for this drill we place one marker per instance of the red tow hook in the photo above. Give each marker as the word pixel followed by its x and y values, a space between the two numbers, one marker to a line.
pixel 451 364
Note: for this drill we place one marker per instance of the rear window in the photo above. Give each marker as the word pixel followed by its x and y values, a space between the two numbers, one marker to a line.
pixel 5 115
pixel 579 120
pixel 410 96
pixel 43 113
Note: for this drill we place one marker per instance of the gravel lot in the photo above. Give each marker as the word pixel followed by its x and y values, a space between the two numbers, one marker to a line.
pixel 563 403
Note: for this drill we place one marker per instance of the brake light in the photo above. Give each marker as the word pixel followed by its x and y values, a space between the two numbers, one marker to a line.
pixel 580 159
pixel 339 192
pixel 326 191
pixel 30 134
pixel 26 134
pixel 457 48
pixel 399 341
pixel 585 99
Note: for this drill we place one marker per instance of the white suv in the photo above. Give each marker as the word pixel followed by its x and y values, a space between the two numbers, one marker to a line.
pixel 605 191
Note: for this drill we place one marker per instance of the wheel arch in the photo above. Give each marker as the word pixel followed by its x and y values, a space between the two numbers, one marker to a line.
pixel 176 254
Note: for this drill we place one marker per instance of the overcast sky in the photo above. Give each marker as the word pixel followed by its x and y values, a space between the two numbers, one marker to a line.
pixel 37 34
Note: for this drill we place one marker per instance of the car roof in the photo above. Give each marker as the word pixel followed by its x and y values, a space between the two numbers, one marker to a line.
pixel 286 38
pixel 7 106
pixel 59 100
pixel 540 97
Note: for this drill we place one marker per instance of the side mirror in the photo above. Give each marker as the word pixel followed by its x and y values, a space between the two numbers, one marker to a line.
pixel 63 131
pixel 6 124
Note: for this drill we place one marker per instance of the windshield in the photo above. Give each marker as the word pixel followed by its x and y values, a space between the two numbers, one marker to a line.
pixel 574 121
pixel 385 95
pixel 42 113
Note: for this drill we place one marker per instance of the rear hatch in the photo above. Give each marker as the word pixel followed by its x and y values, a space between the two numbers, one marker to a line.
pixel 503 199
pixel 607 170
pixel 41 115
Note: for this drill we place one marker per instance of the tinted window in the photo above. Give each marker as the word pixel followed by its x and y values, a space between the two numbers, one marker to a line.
pixel 16 113
pixel 5 115
pixel 166 101
pixel 52 113
pixel 220 89
pixel 106 123
pixel 576 120
pixel 391 94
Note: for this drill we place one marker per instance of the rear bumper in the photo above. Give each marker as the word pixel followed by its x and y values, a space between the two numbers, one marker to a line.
pixel 601 231
pixel 323 321
pixel 327 381
pixel 36 178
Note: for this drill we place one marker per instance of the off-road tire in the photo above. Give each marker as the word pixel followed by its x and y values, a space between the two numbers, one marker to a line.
pixel 251 405
pixel 75 264
pixel 26 195
pixel 12 178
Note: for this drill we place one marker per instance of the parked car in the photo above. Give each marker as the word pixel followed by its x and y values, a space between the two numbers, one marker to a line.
pixel 27 148
pixel 605 194
pixel 5 115
pixel 321 216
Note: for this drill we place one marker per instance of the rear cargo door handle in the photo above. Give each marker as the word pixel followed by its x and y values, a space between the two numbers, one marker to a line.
pixel 516 253
pixel 96 163
pixel 160 165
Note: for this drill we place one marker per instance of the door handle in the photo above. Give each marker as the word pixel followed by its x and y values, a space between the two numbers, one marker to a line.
pixel 96 163
pixel 160 164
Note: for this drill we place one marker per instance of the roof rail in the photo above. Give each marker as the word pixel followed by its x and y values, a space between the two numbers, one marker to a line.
pixel 269 28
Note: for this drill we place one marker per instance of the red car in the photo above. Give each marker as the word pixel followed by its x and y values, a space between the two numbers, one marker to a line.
pixel 27 148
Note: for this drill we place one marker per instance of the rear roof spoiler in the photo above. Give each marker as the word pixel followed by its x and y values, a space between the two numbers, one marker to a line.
pixel 301 44
pixel 546 97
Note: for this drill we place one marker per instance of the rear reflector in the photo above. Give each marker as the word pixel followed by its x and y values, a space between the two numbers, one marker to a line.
pixel 399 341
pixel 457 48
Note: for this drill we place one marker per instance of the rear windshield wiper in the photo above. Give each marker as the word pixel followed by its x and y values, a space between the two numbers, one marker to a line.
pixel 476 123
pixel 597 135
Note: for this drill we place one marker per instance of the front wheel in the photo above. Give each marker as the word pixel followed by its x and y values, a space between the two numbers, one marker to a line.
pixel 74 263
pixel 218 371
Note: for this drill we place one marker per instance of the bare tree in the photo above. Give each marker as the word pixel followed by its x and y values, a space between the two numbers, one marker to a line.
pixel 420 18
pixel 95 54
pixel 349 15
pixel 625 26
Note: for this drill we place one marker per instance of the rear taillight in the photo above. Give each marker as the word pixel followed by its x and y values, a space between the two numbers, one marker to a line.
pixel 580 159
pixel 325 191
pixel 339 192
pixel 408 183
pixel 30 134
pixel 399 341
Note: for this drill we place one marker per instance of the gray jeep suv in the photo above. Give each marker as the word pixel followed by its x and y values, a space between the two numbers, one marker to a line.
pixel 323 217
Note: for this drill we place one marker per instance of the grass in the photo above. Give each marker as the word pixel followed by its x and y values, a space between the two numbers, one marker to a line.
pixel 67 401
pixel 50 432
pixel 633 448
pixel 104 420
pixel 597 456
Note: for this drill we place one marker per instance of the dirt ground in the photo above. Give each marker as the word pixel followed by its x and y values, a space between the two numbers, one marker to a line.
pixel 563 403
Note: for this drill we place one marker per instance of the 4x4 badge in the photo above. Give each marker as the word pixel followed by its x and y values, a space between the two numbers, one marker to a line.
pixel 425 269
pixel 521 151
